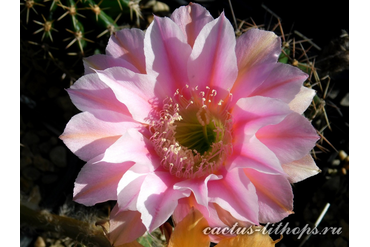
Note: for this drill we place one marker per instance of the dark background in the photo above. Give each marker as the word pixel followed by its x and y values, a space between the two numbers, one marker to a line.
pixel 321 21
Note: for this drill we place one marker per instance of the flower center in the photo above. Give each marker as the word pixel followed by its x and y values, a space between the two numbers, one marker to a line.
pixel 197 129
pixel 192 133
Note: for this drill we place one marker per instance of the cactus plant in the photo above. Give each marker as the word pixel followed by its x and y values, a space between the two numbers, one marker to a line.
pixel 76 28
pixel 84 16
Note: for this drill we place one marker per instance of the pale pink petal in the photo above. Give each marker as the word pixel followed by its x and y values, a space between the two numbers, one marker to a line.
pixel 257 47
pixel 252 113
pixel 198 187
pixel 167 52
pixel 100 177
pixel 130 186
pixel 102 62
pixel 291 139
pixel 283 83
pixel 124 226
pixel 249 115
pixel 212 62
pixel 88 136
pixel 254 48
pixel 252 153
pixel 97 181
pixel 191 19
pixel 275 196
pixel 132 146
pixel 235 194
pixel 249 81
pixel 134 90
pixel 302 100
pixel 90 94
pixel 301 169
pixel 128 44
pixel 157 199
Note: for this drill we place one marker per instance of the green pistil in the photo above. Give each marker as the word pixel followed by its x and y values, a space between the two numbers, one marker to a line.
pixel 192 134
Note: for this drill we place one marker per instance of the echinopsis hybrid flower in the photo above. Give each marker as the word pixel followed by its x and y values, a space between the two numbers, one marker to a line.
pixel 185 115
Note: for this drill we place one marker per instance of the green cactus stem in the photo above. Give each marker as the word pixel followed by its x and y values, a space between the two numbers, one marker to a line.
pixel 78 28
pixel 29 4
pixel 47 27
pixel 102 18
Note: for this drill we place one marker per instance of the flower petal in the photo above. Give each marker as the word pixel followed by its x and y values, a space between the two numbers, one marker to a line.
pixel 254 49
pixel 198 187
pixel 275 196
pixel 284 82
pixel 88 136
pixel 257 47
pixel 302 100
pixel 235 194
pixel 97 181
pixel 291 139
pixel 102 62
pixel 191 19
pixel 130 186
pixel 211 213
pixel 256 239
pixel 157 200
pixel 132 244
pixel 189 232
pixel 252 113
pixel 252 153
pixel 167 52
pixel 101 176
pixel 301 169
pixel 187 203
pixel 128 44
pixel 211 62
pixel 125 226
pixel 250 80
pixel 90 94
pixel 132 146
pixel 134 90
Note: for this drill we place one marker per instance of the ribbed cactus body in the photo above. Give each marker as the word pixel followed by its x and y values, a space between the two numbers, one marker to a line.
pixel 76 26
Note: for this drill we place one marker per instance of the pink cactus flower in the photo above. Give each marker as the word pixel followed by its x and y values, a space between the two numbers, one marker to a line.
pixel 185 115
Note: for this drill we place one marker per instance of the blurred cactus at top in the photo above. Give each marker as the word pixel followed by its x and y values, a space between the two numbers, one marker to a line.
pixel 67 30
pixel 81 16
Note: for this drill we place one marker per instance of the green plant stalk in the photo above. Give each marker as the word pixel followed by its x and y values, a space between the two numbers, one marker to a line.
pixel 75 229
pixel 114 7
pixel 53 7
pixel 77 26
pixel 104 20
pixel 284 58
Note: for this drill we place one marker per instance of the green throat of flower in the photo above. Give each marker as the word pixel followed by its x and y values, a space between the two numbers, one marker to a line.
pixel 198 130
